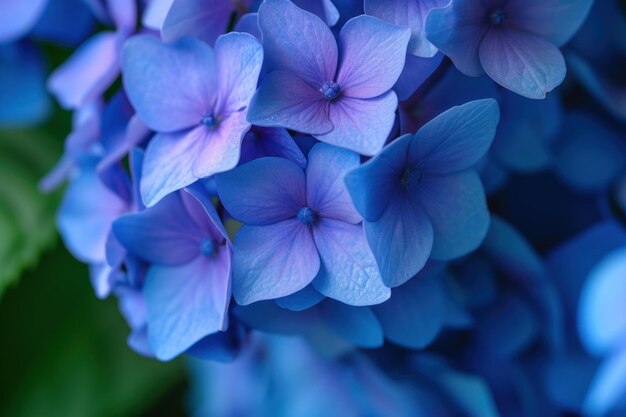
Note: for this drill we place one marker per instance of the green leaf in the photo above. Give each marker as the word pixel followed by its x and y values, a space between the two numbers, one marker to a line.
pixel 27 216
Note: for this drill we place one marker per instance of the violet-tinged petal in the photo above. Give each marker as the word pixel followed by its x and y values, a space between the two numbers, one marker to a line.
pixel 301 300
pixel 415 313
pixel 349 273
pixel 202 20
pixel 163 234
pixel 285 100
pixel 297 41
pixel 273 261
pixel 186 303
pixel 326 191
pixel 155 13
pixel 249 23
pixel 456 139
pixel 556 20
pixel 457 30
pixel 203 211
pixel 372 56
pixel 457 208
pixel 238 58
pixel 170 86
pixel 361 125
pixel 357 325
pixel 263 191
pixel 411 14
pixel 268 141
pixel 18 17
pixel 124 14
pixel 522 62
pixel 401 240
pixel 373 185
pixel 167 163
pixel 88 72
pixel 220 146
pixel 324 9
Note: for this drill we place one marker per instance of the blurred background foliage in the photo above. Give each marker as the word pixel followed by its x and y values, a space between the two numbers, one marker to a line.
pixel 63 351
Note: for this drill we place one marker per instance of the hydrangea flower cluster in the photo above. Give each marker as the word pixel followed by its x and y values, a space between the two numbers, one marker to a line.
pixel 418 190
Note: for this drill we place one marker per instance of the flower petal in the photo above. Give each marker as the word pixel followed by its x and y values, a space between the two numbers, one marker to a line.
pixel 301 300
pixel 273 261
pixel 183 73
pixel 361 125
pixel 357 325
pixel 268 141
pixel 285 100
pixel 522 62
pixel 186 303
pixel 307 49
pixel 372 56
pixel 196 19
pixel 349 272
pixel 326 190
pixel 401 240
pixel 263 191
pixel 457 208
pixel 18 17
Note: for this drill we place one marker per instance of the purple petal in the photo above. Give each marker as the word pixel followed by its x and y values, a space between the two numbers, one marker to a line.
pixel 349 273
pixel 262 141
pixel 238 58
pixel 540 17
pixel 273 261
pixel 307 48
pixel 373 55
pixel 186 303
pixel 88 72
pixel 457 208
pixel 457 30
pixel 155 12
pixel 168 162
pixel 361 125
pixel 124 14
pixel 184 73
pixel 522 62
pixel 285 100
pixel 375 183
pixel 411 14
pixel 401 240
pixel 263 191
pixel 192 18
pixel 163 234
pixel 456 139
pixel 326 191
pixel 324 9
pixel 18 17
pixel 249 23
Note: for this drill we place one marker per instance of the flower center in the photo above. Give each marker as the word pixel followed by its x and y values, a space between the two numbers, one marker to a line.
pixel 207 247
pixel 330 90
pixel 210 120
pixel 306 216
pixel 497 17
pixel 411 178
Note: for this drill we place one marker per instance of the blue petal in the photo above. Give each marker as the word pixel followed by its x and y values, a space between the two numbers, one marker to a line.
pixel 273 261
pixel 325 9
pixel 18 17
pixel 220 346
pixel 361 125
pixel 416 71
pixel 186 303
pixel 307 49
pixel 357 325
pixel 197 19
pixel 608 386
pixel 415 313
pixel 301 300
pixel 268 317
pixel 349 273
pixel 263 191
pixel 326 190
pixel 401 240
pixel 148 68
pixel 457 208
pixel 522 62
pixel 261 141
pixel 249 23
pixel 456 139
pixel 64 22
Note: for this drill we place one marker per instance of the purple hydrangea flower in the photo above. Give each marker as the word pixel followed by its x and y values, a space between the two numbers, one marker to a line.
pixel 187 286
pixel 300 228
pixel 420 196
pixel 345 102
pixel 195 98
pixel 514 41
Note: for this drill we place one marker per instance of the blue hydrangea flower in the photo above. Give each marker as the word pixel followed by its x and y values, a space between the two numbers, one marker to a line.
pixel 196 99
pixel 411 14
pixel 300 228
pixel 515 41
pixel 187 285
pixel 345 102
pixel 19 17
pixel 420 196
